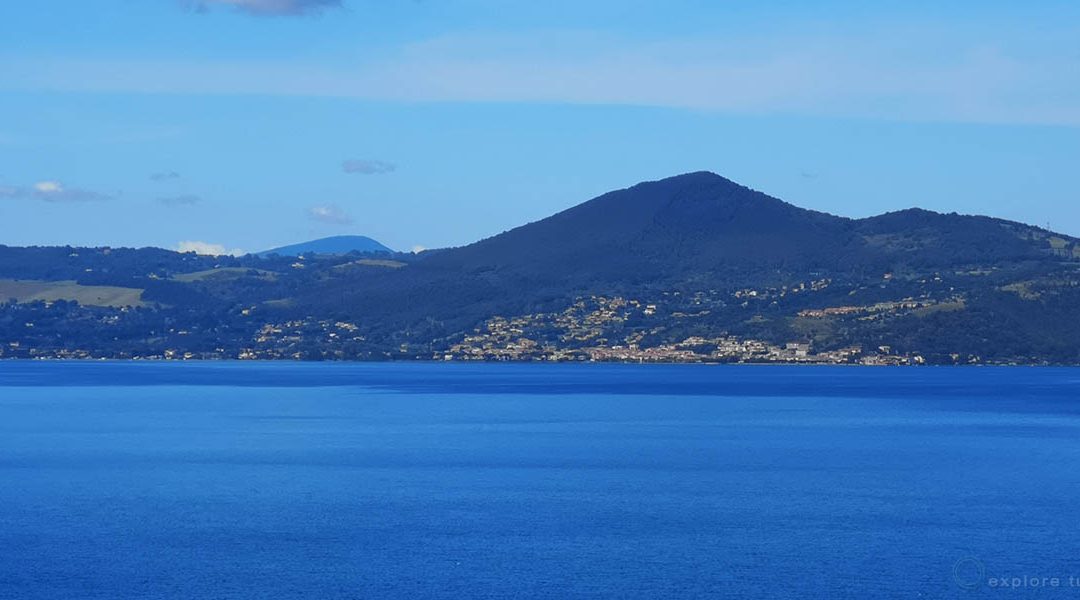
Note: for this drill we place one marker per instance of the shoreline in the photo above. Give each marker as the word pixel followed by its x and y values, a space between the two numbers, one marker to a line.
pixel 290 361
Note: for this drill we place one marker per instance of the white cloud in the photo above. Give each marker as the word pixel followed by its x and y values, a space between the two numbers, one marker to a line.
pixel 329 213
pixel 48 187
pixel 207 249
pixel 418 249
pixel 52 191
pixel 368 166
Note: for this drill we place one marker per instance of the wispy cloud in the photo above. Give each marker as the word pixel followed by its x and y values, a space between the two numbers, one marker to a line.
pixel 330 214
pixel 365 166
pixel 207 248
pixel 164 176
pixel 867 74
pixel 52 191
pixel 277 8
pixel 181 200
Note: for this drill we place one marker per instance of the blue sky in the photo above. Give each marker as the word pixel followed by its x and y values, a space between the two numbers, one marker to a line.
pixel 245 124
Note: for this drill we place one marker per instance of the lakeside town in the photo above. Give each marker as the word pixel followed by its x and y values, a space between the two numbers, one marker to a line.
pixel 587 332
pixel 592 329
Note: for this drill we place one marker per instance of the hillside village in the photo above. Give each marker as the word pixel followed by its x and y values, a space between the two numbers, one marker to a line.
pixel 596 329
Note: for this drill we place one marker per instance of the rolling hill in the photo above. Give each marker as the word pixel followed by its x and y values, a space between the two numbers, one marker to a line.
pixel 692 267
pixel 703 225
pixel 690 232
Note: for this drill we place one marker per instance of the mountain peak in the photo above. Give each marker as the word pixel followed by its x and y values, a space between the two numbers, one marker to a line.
pixel 703 200
pixel 338 244
pixel 697 176
pixel 691 179
pixel 705 220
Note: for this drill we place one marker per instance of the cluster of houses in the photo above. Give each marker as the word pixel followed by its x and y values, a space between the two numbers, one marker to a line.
pixel 592 330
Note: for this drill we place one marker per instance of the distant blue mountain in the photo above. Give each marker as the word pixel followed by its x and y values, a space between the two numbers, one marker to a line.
pixel 339 244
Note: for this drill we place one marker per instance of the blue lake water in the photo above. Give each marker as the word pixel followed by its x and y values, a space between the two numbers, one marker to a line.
pixel 230 480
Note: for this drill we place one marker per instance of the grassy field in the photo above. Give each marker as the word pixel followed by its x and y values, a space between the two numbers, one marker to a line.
pixel 373 262
pixel 222 273
pixel 49 291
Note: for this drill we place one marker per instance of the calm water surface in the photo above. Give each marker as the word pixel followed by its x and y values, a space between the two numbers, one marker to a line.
pixel 221 480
